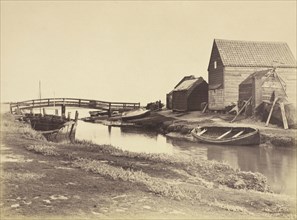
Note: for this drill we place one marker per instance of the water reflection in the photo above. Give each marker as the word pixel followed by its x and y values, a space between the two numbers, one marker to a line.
pixel 126 139
pixel 278 165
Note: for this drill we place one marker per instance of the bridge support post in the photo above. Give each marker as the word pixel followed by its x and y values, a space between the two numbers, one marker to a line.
pixel 109 110
pixel 63 109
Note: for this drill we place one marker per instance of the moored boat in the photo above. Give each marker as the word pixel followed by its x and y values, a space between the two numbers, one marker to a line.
pixel 54 128
pixel 227 135
pixel 135 114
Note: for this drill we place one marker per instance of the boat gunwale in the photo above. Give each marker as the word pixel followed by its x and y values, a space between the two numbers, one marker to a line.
pixel 224 140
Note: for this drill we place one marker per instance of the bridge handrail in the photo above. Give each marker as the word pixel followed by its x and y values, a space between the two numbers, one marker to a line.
pixel 67 99
pixel 74 101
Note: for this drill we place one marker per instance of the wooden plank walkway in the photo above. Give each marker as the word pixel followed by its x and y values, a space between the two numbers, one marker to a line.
pixel 73 102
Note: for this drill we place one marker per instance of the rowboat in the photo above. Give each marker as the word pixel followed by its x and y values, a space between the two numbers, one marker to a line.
pixel 227 135
pixel 135 114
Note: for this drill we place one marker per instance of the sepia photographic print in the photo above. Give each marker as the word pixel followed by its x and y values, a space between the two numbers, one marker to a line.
pixel 148 110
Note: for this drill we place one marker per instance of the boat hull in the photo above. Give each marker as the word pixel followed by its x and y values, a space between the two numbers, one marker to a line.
pixel 54 128
pixel 250 136
pixel 135 115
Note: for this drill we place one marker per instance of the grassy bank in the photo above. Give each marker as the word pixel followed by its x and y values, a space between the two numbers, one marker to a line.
pixel 91 181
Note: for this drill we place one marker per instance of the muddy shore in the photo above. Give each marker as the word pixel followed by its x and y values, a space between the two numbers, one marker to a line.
pixel 87 181
pixel 179 125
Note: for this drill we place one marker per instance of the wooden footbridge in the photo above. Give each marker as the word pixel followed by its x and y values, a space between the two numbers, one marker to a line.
pixel 73 102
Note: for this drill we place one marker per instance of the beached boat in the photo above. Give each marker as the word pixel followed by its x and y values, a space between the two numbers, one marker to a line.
pixel 97 113
pixel 227 135
pixel 54 128
pixel 135 114
pixel 64 134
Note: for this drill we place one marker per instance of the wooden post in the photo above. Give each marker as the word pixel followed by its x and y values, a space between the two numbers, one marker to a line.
pixel 69 115
pixel 56 112
pixel 109 110
pixel 241 109
pixel 285 121
pixel 79 102
pixel 44 112
pixel 76 116
pixel 271 110
pixel 63 109
pixel 205 108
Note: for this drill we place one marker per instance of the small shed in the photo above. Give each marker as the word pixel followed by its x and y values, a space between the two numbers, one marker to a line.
pixel 261 86
pixel 169 95
pixel 189 95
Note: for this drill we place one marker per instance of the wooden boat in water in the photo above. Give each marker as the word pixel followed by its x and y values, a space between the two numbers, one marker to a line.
pixel 98 113
pixel 135 114
pixel 54 128
pixel 227 135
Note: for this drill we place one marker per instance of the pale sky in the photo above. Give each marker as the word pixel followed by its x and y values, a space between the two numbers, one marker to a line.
pixel 124 51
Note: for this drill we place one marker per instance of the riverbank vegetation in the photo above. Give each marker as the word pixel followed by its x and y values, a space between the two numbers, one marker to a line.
pixel 87 180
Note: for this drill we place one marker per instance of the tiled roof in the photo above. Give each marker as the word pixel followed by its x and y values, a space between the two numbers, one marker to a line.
pixel 260 74
pixel 187 84
pixel 255 54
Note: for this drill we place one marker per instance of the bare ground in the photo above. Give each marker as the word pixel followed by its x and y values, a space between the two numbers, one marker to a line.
pixel 86 181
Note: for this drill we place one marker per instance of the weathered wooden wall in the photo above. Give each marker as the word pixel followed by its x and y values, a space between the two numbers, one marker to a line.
pixel 179 100
pixel 169 101
pixel 215 81
pixel 215 75
pixel 233 76
pixel 289 75
pixel 198 95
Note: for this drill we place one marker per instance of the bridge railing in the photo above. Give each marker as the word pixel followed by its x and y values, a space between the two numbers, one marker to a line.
pixel 73 102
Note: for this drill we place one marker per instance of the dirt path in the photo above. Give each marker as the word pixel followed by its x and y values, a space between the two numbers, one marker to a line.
pixel 84 181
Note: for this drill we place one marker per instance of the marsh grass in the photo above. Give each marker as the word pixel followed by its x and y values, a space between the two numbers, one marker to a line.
pixel 21 176
pixel 46 150
pixel 228 207
pixel 155 185
pixel 10 124
pixel 204 170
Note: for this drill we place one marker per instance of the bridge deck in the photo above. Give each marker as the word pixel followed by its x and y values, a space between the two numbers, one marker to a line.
pixel 73 102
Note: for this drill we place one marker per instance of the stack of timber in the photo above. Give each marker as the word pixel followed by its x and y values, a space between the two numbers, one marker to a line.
pixel 54 128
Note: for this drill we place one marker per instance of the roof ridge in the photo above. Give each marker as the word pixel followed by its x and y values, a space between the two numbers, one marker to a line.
pixel 251 41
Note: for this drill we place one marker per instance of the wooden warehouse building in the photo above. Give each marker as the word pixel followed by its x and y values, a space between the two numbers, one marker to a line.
pixel 232 61
pixel 189 94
